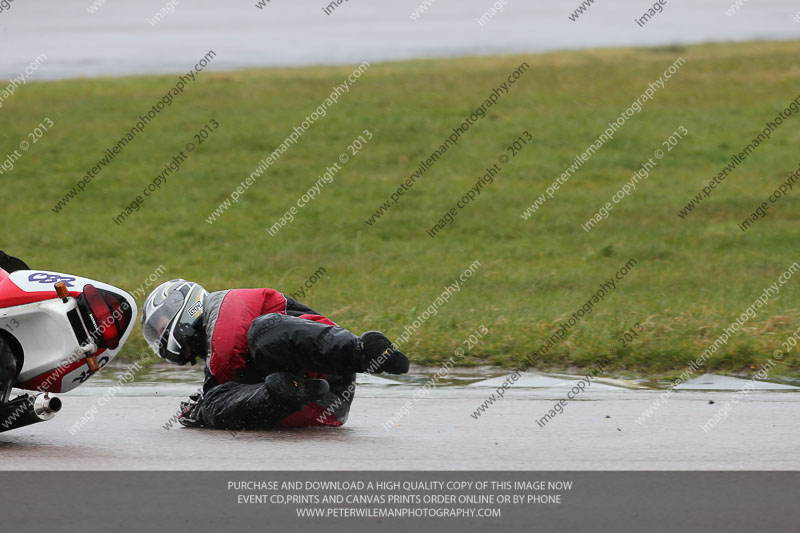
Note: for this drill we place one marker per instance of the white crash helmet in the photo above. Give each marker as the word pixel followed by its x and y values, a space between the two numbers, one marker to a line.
pixel 171 321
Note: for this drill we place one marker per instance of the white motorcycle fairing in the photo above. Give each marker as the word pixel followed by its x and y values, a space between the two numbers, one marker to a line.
pixel 55 335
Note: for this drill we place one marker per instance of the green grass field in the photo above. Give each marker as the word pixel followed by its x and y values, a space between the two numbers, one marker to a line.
pixel 694 276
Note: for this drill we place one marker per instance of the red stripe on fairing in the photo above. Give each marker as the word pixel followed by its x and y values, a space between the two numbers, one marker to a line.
pixel 11 295
pixel 46 383
pixel 309 416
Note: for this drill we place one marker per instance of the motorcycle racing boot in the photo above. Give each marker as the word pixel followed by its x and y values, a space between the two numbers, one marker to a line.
pixel 289 389
pixel 378 354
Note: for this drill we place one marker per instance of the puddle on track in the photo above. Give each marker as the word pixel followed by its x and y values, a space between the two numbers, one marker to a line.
pixel 170 378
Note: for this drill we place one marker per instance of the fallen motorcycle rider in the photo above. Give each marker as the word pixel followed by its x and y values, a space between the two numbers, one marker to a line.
pixel 270 360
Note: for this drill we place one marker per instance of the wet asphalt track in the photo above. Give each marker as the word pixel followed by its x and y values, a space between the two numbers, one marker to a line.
pixel 596 432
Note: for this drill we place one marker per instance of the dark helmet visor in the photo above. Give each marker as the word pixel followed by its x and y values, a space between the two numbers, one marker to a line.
pixel 157 323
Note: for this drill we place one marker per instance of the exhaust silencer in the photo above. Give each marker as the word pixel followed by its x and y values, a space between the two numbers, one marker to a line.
pixel 26 410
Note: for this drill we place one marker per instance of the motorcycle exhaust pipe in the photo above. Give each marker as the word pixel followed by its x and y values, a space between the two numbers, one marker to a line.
pixel 26 410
